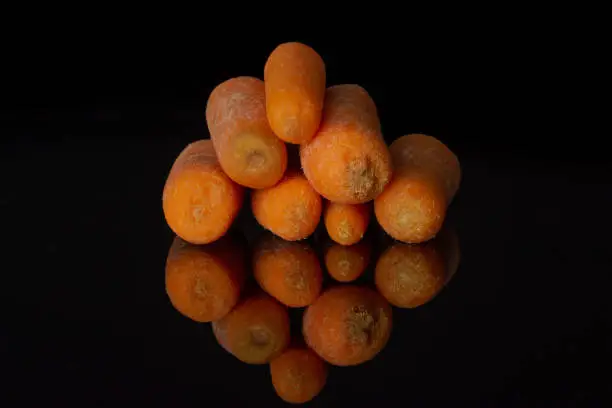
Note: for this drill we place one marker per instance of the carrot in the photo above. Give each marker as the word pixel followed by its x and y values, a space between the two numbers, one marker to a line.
pixel 346 223
pixel 347 161
pixel 199 201
pixel 255 331
pixel 291 209
pixel 294 76
pixel 410 275
pixel 288 271
pixel 427 175
pixel 347 263
pixel 248 150
pixel 348 325
pixel 298 375
pixel 204 282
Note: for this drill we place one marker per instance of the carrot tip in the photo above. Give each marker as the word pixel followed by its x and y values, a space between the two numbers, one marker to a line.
pixel 255 160
pixel 364 181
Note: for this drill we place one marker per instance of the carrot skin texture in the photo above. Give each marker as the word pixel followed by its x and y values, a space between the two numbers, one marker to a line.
pixel 346 223
pixel 409 275
pixel 288 271
pixel 248 150
pixel 346 263
pixel 291 209
pixel 413 207
pixel 255 331
pixel 298 375
pixel 294 77
pixel 348 325
pixel 347 161
pixel 203 282
pixel 199 200
pixel 431 155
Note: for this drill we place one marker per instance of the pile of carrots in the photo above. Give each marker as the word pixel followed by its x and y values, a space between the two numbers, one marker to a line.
pixel 302 152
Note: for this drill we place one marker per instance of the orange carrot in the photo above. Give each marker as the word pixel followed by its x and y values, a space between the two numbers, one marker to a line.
pixel 347 161
pixel 347 263
pixel 288 271
pixel 348 325
pixel 199 201
pixel 248 150
pixel 427 174
pixel 410 275
pixel 298 375
pixel 291 209
pixel 294 76
pixel 204 282
pixel 255 331
pixel 346 223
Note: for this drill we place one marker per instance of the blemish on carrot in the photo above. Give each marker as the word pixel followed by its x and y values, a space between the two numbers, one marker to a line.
pixel 348 325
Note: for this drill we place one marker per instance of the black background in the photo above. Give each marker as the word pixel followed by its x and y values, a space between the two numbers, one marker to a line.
pixel 92 125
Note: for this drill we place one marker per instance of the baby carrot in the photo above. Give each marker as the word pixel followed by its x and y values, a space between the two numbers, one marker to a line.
pixel 255 331
pixel 204 282
pixel 413 206
pixel 345 263
pixel 288 271
pixel 348 325
pixel 347 161
pixel 199 201
pixel 248 150
pixel 294 76
pixel 298 375
pixel 410 275
pixel 346 223
pixel 291 209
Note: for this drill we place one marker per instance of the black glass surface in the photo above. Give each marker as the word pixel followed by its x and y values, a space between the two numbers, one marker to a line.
pixel 89 141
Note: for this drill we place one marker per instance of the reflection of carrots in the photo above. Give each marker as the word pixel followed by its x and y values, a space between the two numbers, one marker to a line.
pixel 298 375
pixel 203 282
pixel 295 87
pixel 447 243
pixel 199 201
pixel 427 175
pixel 347 161
pixel 291 209
pixel 347 263
pixel 255 331
pixel 248 150
pixel 410 275
pixel 346 223
pixel 288 271
pixel 348 325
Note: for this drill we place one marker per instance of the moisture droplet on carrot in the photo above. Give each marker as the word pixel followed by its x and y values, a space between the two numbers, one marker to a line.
pixel 347 263
pixel 348 325
pixel 288 271
pixel 255 331
pixel 294 77
pixel 346 223
pixel 249 152
pixel 410 275
pixel 298 375
pixel 291 209
pixel 200 201
pixel 204 282
pixel 347 161
pixel 427 174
